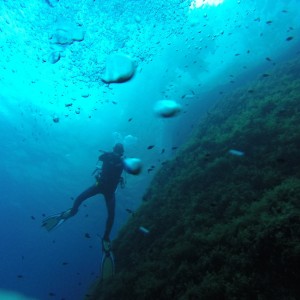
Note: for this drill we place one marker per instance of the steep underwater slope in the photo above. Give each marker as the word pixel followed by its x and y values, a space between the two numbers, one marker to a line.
pixel 223 226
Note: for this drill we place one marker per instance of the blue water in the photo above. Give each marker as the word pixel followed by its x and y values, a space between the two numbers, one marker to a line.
pixel 191 55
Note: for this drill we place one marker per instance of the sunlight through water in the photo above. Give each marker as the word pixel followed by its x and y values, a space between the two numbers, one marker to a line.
pixel 202 3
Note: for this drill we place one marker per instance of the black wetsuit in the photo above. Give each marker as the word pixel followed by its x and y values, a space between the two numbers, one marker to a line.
pixel 106 184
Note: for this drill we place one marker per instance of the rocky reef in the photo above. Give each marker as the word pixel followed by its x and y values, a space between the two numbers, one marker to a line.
pixel 222 224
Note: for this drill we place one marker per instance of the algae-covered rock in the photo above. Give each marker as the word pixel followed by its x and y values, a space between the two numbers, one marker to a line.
pixel 222 226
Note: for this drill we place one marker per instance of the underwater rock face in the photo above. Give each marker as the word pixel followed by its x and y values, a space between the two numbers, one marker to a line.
pixel 119 68
pixel 222 226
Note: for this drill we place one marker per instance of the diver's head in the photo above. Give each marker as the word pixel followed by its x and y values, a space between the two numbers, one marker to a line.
pixel 118 149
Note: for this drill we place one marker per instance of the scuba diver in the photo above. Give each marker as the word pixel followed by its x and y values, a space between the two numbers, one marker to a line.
pixel 107 180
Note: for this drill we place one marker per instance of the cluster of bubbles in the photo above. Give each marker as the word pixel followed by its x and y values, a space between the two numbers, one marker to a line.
pixel 119 69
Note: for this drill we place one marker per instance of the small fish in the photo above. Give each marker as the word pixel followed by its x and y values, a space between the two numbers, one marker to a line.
pixel 188 96
pixel 130 119
pixel 269 22
pixel 65 263
pixel 68 104
pixel 20 276
pixel 265 75
pixel 162 151
pixel 130 211
pixel 289 38
pixel 174 148
pixel 51 294
pixel 268 59
pixel 144 230
pixel 207 155
pixel 87 236
pixel 236 152
pixel 114 102
pixel 150 147
pixel 150 169
pixel 280 160
pixel 32 218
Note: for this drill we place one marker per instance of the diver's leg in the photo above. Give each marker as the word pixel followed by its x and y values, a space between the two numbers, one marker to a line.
pixel 110 204
pixel 90 192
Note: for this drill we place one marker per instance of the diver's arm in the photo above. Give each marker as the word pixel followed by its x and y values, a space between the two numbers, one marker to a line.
pixel 103 156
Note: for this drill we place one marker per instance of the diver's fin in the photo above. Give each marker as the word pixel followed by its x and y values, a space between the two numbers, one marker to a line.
pixel 108 262
pixel 56 220
pixel 108 265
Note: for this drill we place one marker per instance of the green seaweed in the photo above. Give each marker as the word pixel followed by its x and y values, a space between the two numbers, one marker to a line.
pixel 222 226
